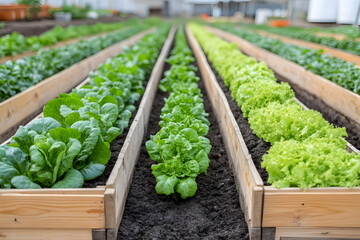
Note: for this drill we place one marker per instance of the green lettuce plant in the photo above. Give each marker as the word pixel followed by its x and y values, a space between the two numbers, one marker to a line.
pixel 306 150
pixel 180 148
pixel 70 144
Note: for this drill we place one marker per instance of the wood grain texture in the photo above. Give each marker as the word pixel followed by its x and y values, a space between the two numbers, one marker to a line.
pixel 45 234
pixel 341 99
pixel 52 210
pixel 312 208
pixel 121 176
pixel 249 182
pixel 332 51
pixel 317 233
pixel 24 104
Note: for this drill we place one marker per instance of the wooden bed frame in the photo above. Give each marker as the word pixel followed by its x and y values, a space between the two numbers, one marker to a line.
pixel 82 214
pixel 23 105
pixel 286 214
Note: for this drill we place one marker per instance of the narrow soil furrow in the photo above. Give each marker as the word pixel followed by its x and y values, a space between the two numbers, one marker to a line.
pixel 213 213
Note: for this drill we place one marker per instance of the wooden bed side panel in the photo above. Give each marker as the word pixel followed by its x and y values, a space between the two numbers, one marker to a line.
pixel 52 210
pixel 45 234
pixel 314 208
pixel 249 183
pixel 308 233
pixel 120 178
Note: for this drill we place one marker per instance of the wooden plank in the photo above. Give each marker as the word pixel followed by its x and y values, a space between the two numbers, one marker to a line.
pixel 339 37
pixel 52 210
pixel 22 105
pixel 341 99
pixel 332 51
pixel 121 175
pixel 249 182
pixel 57 45
pixel 317 207
pixel 45 234
pixel 60 191
pixel 286 233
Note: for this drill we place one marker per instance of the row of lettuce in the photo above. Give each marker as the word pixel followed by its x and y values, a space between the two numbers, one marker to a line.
pixel 306 151
pixel 180 147
pixel 70 144
pixel 343 73
pixel 15 43
pixel 23 73
pixel 347 44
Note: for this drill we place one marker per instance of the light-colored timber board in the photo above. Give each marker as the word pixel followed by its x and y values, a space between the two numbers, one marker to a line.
pixel 339 37
pixel 332 51
pixel 52 210
pixel 307 233
pixel 45 234
pixel 22 105
pixel 341 99
pixel 250 189
pixel 120 178
pixel 316 207
pixel 59 44
pixel 58 191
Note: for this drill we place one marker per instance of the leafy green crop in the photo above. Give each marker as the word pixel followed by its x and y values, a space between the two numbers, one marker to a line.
pixel 311 163
pixel 17 76
pixel 347 44
pixel 180 147
pixel 14 43
pixel 343 73
pixel 71 143
pixel 306 150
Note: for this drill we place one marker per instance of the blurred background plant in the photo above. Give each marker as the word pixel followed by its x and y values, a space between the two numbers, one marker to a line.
pixel 33 7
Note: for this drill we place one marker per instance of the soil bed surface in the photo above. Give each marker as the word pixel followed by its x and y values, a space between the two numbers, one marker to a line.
pixel 29 28
pixel 213 213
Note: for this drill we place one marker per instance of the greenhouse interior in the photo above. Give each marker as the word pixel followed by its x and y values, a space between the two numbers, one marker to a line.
pixel 179 119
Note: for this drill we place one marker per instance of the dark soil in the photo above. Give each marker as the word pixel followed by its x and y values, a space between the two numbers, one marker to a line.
pixel 213 213
pixel 256 146
pixel 29 28
pixel 330 114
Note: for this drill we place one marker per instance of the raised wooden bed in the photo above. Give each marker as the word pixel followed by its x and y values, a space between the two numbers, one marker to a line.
pixel 78 214
pixel 59 44
pixel 12 12
pixel 25 104
pixel 341 99
pixel 291 213
pixel 333 52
